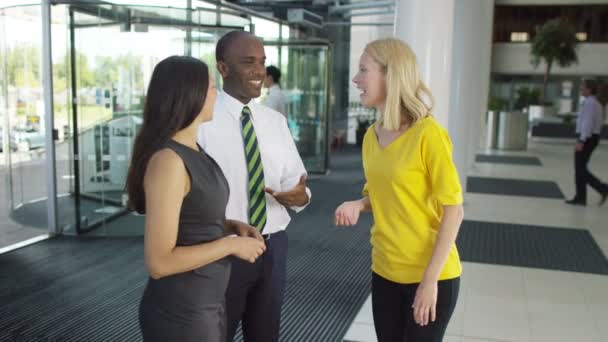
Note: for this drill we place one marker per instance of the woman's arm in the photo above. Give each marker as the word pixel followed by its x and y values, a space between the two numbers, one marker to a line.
pixel 448 230
pixel 166 182
pixel 424 305
pixel 366 205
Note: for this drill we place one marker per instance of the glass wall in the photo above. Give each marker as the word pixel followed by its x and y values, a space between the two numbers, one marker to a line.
pixel 306 86
pixel 103 56
pixel 304 80
pixel 115 50
pixel 22 124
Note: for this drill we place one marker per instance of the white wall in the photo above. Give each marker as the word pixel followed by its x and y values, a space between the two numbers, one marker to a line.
pixel 514 58
pixel 359 37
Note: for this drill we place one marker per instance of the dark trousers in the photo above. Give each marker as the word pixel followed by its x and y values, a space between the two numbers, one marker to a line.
pixel 582 175
pixel 394 315
pixel 255 293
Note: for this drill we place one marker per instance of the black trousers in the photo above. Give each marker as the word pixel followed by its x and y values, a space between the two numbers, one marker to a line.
pixel 582 175
pixel 394 316
pixel 255 293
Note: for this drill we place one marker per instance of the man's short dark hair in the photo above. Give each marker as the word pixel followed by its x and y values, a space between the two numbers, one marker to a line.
pixel 591 85
pixel 273 72
pixel 225 42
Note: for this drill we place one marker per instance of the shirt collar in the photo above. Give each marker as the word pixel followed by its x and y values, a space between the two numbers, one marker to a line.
pixel 233 106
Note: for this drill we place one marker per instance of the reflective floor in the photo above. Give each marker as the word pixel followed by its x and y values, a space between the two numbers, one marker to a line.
pixel 519 304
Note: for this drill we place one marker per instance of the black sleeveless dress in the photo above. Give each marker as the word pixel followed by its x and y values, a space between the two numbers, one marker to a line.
pixel 190 306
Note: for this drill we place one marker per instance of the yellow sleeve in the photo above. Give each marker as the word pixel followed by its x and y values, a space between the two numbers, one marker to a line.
pixel 437 158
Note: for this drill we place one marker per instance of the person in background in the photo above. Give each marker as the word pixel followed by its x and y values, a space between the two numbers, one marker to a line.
pixel 588 129
pixel 413 191
pixel 275 98
pixel 184 194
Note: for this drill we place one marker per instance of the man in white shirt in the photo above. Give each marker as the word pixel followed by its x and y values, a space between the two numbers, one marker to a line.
pixel 588 130
pixel 253 146
pixel 275 98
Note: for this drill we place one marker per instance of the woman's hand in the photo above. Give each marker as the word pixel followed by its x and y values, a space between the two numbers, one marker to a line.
pixel 246 248
pixel 347 214
pixel 245 230
pixel 425 303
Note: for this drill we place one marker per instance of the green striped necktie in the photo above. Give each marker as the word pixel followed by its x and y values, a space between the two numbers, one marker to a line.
pixel 257 197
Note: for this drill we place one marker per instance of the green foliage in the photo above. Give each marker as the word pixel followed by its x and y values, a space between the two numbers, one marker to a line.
pixel 555 42
pixel 496 104
pixel 108 68
pixel 527 97
pixel 23 66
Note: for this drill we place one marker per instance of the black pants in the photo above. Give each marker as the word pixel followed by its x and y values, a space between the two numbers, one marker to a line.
pixel 582 174
pixel 394 316
pixel 255 293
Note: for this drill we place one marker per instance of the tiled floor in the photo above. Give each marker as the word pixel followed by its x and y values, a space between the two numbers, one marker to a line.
pixel 515 304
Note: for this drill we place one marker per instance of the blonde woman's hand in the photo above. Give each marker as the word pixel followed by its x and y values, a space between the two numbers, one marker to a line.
pixel 347 214
pixel 425 303
pixel 247 248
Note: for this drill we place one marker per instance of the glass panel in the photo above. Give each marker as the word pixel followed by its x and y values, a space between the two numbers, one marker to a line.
pixel 164 3
pixel 266 29
pixel 22 139
pixel 10 3
pixel 113 66
pixel 305 84
pixel 62 119
pixel 233 20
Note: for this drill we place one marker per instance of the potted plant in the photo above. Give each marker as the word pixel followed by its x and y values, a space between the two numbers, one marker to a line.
pixel 527 97
pixel 554 43
pixel 495 106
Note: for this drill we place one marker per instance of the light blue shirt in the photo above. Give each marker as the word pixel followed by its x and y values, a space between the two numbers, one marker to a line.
pixel 589 119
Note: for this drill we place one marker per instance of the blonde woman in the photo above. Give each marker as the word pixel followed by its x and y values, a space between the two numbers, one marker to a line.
pixel 413 192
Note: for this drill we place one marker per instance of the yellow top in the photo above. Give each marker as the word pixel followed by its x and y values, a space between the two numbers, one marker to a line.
pixel 407 183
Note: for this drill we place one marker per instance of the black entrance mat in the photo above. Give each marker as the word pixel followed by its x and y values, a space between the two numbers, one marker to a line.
pixel 514 187
pixel 514 160
pixel 88 289
pixel 563 249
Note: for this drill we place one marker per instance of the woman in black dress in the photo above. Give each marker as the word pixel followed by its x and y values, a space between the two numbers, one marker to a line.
pixel 184 194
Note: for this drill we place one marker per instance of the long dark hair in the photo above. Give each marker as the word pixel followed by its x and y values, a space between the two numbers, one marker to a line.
pixel 176 95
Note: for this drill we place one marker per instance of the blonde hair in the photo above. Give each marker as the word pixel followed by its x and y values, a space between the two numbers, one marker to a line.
pixel 407 97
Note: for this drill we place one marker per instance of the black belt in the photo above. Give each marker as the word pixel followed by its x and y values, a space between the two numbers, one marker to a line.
pixel 267 236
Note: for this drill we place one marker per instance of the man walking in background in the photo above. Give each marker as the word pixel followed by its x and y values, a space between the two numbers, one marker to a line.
pixel 588 129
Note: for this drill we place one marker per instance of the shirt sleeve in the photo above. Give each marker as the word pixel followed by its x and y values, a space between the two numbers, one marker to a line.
pixel 294 168
pixel 437 159
pixel 271 101
pixel 586 121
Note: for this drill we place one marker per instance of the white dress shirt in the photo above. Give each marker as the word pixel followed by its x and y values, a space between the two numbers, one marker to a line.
pixel 276 100
pixel 589 119
pixel 222 139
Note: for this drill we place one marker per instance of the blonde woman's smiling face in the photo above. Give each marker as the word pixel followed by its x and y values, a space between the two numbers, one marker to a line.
pixel 371 81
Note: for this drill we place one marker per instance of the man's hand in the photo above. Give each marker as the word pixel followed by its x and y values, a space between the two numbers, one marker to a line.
pixel 296 197
pixel 579 147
